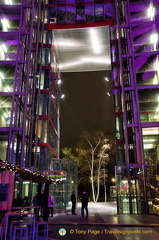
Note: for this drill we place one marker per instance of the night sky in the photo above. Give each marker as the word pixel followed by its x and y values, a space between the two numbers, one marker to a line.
pixel 86 105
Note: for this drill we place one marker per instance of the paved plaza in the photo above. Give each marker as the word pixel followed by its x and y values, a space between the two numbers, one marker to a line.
pixel 103 223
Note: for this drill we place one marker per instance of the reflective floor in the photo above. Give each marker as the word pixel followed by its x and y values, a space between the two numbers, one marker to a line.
pixel 103 223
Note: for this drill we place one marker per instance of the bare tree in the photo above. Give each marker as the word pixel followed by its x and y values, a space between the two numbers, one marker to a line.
pixel 93 157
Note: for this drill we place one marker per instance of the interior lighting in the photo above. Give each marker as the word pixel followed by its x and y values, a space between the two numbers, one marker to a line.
pixel 5 115
pixel 148 146
pixel 150 131
pixel 4 47
pixel 59 82
pixel 106 79
pixel 52 96
pixel 151 12
pixel 1 50
pixel 157 65
pixel 8 89
pixel 154 38
pixel 8 2
pixel 62 96
pixel 155 81
pixel 5 24
pixel 1 76
pixel 95 40
pixel 124 181
pixel 149 140
pixel 108 94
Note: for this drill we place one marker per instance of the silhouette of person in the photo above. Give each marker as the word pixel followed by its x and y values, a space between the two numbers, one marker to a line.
pixel 84 204
pixel 35 199
pixel 73 200
pixel 51 204
pixel 35 203
pixel 42 203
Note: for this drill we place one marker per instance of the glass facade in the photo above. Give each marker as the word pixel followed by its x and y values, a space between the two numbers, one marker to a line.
pixel 66 179
pixel 30 91
pixel 136 89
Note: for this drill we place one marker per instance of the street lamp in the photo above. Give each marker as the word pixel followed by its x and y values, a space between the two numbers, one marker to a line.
pixel 113 180
pixel 113 189
pixel 106 79
pixel 60 95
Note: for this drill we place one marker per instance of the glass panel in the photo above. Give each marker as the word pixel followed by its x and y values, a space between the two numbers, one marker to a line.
pixel 5 110
pixel 147 39
pixel 80 13
pixel 44 103
pixel 52 137
pixel 7 25
pixel 149 105
pixel 120 154
pixel 99 11
pixel 130 185
pixel 25 189
pixel 151 154
pixel 150 131
pixel 61 15
pixel 147 78
pixel 71 13
pixel 42 130
pixel 147 69
pixel 58 190
pixel 3 146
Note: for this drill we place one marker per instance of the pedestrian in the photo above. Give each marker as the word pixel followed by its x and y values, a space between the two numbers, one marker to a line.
pixel 35 204
pixel 84 204
pixel 73 200
pixel 51 204
pixel 42 203
pixel 35 199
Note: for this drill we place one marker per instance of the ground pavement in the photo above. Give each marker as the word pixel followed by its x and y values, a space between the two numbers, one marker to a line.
pixel 103 223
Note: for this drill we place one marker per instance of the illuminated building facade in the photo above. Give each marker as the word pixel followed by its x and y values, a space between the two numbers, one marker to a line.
pixel 30 86
pixel 136 91
pixel 30 90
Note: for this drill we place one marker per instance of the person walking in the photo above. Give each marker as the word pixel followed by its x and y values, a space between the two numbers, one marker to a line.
pixel 84 204
pixel 51 204
pixel 73 200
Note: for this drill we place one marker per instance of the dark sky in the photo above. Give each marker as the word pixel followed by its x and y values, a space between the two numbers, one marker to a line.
pixel 86 105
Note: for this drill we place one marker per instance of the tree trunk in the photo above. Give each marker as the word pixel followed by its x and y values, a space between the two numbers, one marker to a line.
pixel 105 192
pixel 98 186
pixel 93 190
